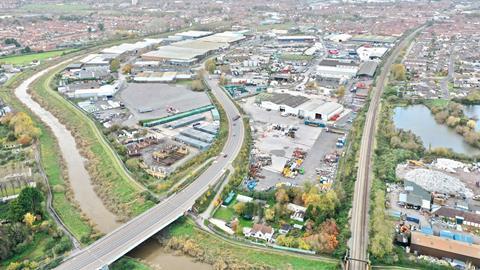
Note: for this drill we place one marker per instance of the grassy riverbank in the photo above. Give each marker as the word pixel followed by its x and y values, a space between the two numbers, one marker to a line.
pixel 213 249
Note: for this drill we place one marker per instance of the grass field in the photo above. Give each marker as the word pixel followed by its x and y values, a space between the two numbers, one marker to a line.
pixel 25 59
pixel 436 102
pixel 122 191
pixel 217 247
pixel 295 57
pixel 72 8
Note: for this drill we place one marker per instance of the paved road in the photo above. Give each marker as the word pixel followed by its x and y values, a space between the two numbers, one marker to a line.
pixel 117 243
pixel 451 71
pixel 361 197
pixel 78 176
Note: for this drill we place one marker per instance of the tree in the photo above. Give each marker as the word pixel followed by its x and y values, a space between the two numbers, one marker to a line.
pixel 127 69
pixel 381 228
pixel 269 214
pixel 399 72
pixel 341 91
pixel 328 203
pixel 30 199
pixel 281 196
pixel 239 208
pixel 223 80
pixel 197 85
pixel 29 219
pixel 210 65
pixel 101 27
pixel 471 124
pixel 114 65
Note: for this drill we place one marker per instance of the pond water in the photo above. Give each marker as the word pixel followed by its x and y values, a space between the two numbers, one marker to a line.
pixel 153 253
pixel 473 111
pixel 420 121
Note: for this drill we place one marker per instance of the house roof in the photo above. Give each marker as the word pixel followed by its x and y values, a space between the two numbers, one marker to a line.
pixel 452 213
pixel 262 228
pixel 445 244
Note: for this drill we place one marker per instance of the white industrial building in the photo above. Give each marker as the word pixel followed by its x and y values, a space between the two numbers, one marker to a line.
pixel 336 69
pixel 302 106
pixel 371 53
pixel 103 91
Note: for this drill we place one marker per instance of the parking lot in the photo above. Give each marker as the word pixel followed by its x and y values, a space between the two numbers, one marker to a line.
pixel 153 100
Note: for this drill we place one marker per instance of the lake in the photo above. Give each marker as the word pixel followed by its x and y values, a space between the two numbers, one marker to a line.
pixel 420 121
pixel 473 111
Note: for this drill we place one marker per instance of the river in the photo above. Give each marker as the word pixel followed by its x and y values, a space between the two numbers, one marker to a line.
pixel 153 253
pixel 78 176
pixel 420 121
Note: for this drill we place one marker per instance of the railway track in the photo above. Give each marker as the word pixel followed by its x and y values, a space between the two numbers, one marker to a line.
pixel 357 259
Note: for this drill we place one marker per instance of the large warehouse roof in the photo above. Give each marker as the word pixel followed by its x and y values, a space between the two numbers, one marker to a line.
pixel 194 34
pixel 368 68
pixel 127 47
pixel 201 45
pixel 174 52
pixel 225 37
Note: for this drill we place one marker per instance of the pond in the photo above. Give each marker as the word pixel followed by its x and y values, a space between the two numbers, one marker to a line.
pixel 473 111
pixel 420 121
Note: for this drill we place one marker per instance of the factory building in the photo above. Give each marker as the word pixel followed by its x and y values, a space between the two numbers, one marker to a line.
pixel 301 106
pixel 336 69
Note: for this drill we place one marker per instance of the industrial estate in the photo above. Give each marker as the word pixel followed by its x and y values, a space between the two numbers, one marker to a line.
pixel 239 134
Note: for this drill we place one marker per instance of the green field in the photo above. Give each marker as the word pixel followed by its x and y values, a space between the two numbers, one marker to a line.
pixel 295 57
pixel 25 59
pixel 72 8
pixel 217 247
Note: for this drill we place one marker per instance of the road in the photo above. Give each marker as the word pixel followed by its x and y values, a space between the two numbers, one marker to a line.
pixel 78 176
pixel 361 197
pixel 117 243
pixel 451 70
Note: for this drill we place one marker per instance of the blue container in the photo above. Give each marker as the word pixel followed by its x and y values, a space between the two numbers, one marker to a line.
pixel 446 234
pixel 427 230
pixel 413 219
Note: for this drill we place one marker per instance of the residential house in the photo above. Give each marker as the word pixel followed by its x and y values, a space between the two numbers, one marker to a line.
pixel 259 231
pixel 298 212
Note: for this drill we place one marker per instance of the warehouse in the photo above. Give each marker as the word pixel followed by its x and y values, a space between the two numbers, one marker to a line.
pixel 192 142
pixel 198 135
pixel 301 106
pixel 175 55
pixel 336 69
pixel 441 247
pixel 102 91
pixel 225 37
pixel 296 39
pixel 125 49
pixel 371 53
pixel 367 69
pixel 193 34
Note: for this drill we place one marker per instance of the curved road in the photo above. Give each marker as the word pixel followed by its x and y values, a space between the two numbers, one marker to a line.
pixel 361 197
pixel 117 243
pixel 78 176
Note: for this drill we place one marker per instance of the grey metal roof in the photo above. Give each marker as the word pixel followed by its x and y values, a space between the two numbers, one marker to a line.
pixel 368 68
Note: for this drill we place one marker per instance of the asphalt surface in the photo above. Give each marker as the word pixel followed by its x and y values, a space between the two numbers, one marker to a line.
pixel 359 224
pixel 117 243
